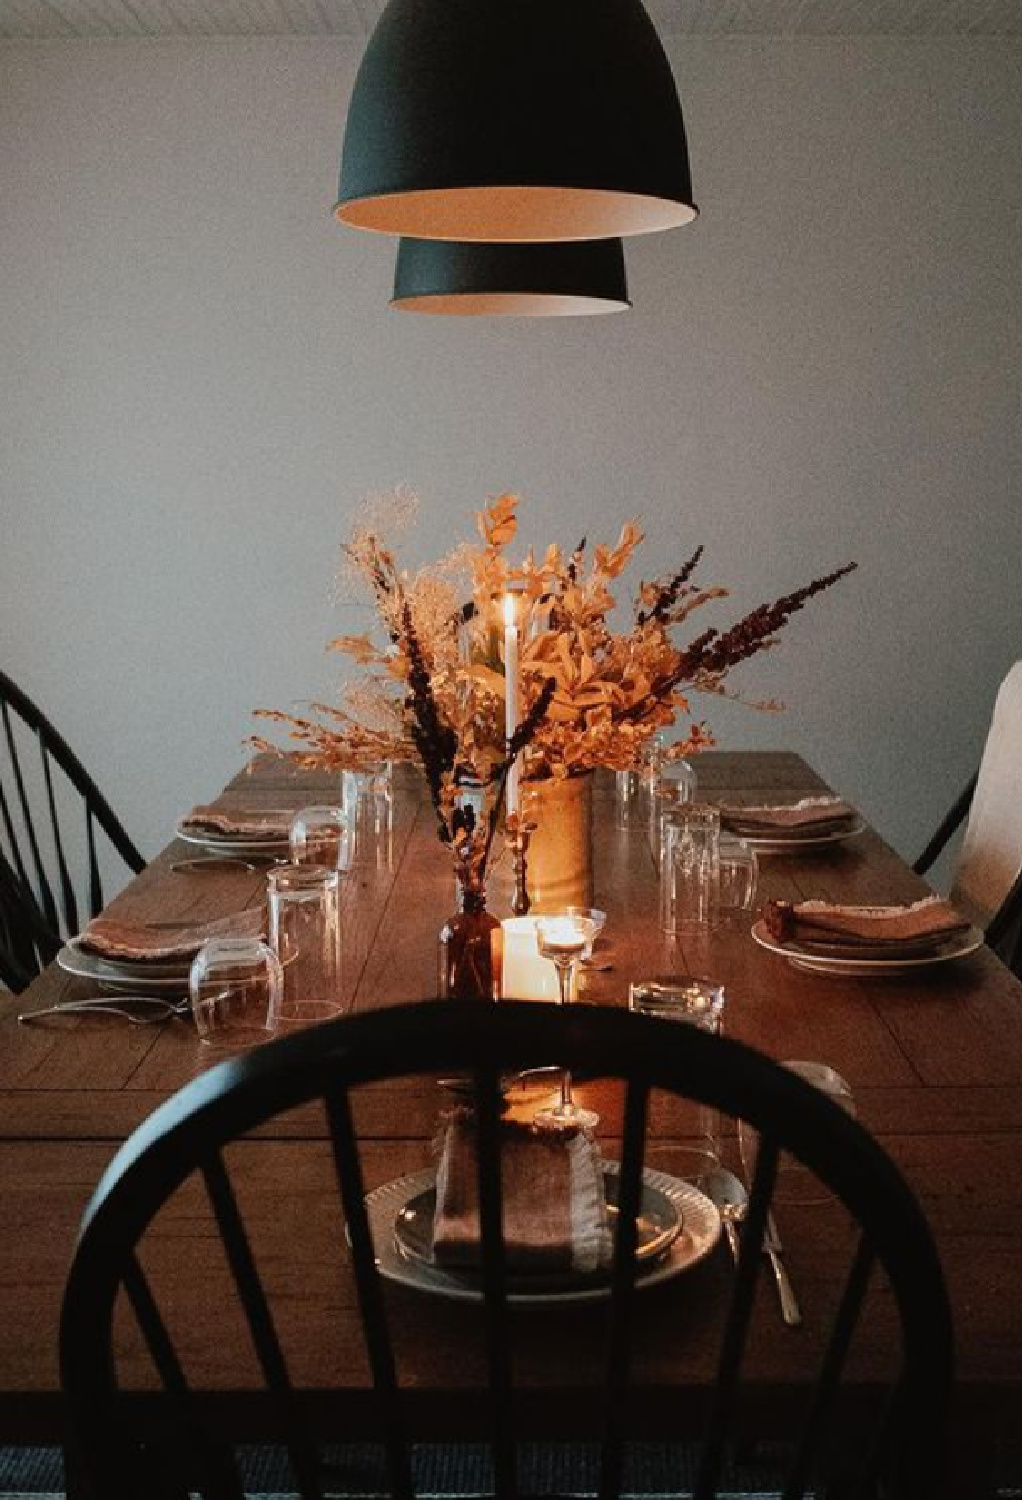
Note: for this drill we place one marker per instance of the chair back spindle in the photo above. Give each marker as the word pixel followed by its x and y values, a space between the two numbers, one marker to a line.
pixel 50 811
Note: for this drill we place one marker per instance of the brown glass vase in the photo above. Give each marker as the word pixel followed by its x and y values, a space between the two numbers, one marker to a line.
pixel 469 951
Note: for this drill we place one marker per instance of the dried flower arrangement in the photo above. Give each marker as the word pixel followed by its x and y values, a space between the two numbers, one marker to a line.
pixel 593 696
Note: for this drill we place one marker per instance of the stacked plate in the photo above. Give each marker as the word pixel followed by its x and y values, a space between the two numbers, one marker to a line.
pixel 678 1227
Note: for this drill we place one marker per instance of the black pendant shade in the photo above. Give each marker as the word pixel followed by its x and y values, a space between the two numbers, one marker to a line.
pixel 445 276
pixel 515 120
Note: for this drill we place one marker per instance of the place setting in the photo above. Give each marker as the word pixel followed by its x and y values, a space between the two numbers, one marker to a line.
pixel 806 826
pixel 822 937
pixel 259 834
pixel 559 1214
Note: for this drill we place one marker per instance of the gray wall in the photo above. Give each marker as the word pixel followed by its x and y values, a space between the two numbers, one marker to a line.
pixel 201 379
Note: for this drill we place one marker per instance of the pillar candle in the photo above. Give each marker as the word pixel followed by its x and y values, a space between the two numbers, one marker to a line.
pixel 525 975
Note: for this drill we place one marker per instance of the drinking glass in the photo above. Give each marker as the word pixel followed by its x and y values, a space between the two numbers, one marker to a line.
pixel 737 877
pixel 234 985
pixel 367 802
pixel 795 1183
pixel 305 931
pixel 564 940
pixel 628 798
pixel 694 1002
pixel 320 836
pixel 689 869
pixel 672 784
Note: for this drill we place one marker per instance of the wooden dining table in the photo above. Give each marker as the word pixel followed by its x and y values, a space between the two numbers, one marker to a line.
pixel 933 1057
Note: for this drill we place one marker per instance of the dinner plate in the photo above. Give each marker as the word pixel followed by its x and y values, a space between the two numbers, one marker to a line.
pixel 659 1224
pixel 226 843
pixel 958 946
pixel 123 974
pixel 667 1196
pixel 781 842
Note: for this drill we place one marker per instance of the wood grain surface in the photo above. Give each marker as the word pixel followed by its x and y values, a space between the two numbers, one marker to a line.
pixel 935 1062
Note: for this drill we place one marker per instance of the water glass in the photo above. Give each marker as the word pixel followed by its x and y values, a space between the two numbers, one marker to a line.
pixel 628 798
pixel 367 802
pixel 305 931
pixel 689 869
pixel 737 877
pixel 795 1183
pixel 320 836
pixel 672 785
pixel 234 985
pixel 679 997
pixel 693 1002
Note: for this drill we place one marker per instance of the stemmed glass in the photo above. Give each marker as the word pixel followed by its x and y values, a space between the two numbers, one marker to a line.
pixel 564 941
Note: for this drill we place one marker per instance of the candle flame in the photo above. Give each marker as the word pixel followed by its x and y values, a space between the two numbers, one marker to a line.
pixel 509 610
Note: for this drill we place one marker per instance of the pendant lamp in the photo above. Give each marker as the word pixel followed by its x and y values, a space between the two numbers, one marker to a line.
pixel 515 120
pixel 537 281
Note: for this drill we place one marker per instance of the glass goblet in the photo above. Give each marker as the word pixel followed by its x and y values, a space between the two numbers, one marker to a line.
pixel 795 1183
pixel 564 941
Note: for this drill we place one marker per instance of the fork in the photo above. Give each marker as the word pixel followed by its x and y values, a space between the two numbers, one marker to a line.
pixel 114 1005
pixel 773 1249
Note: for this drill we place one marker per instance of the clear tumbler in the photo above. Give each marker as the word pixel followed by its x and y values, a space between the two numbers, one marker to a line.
pixel 305 931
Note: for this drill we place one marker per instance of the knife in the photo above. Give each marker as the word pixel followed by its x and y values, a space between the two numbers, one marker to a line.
pixel 773 1249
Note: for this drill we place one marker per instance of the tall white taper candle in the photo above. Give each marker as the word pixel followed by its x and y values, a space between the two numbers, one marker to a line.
pixel 511 694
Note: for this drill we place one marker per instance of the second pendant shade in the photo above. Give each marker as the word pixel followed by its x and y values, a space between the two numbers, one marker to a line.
pixel 444 276
pixel 515 120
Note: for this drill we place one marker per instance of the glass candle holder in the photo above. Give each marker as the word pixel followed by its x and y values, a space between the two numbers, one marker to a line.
pixel 305 932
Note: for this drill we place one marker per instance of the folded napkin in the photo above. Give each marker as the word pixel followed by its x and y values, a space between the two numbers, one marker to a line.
pixel 811 815
pixel 239 822
pixel 139 943
pixel 925 924
pixel 555 1210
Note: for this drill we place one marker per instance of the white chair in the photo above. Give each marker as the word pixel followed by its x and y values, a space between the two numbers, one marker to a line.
pixel 987 879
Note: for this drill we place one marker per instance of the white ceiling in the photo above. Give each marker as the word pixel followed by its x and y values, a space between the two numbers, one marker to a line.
pixel 75 19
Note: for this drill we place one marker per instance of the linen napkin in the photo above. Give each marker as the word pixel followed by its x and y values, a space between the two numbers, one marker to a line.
pixel 555 1209
pixel 239 822
pixel 808 817
pixel 137 943
pixel 856 929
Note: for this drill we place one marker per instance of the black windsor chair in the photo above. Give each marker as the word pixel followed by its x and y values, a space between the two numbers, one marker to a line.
pixel 27 943
pixel 50 810
pixel 174 1441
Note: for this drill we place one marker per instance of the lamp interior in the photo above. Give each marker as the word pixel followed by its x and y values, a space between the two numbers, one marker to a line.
pixel 515 215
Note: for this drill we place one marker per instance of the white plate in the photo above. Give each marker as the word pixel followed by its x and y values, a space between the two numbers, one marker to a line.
pixel 959 946
pixel 226 843
pixel 699 1234
pixel 781 843
pixel 122 975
